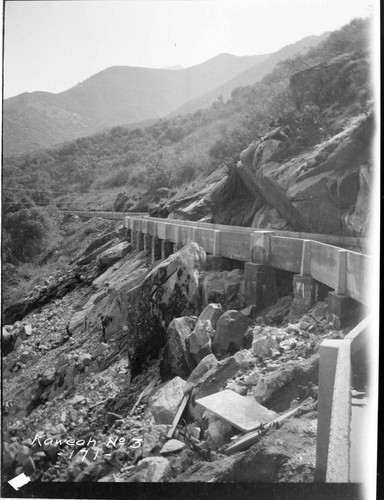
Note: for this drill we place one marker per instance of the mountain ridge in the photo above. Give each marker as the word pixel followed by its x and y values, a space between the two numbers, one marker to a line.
pixel 121 95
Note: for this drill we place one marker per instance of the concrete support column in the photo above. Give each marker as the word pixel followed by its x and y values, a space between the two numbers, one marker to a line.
pixel 342 309
pixel 327 369
pixel 156 249
pixel 166 249
pixel 260 285
pixel 134 239
pixel 147 245
pixel 304 294
pixel 140 242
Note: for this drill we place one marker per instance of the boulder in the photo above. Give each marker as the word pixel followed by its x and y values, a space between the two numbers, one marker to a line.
pixel 357 219
pixel 230 333
pixel 170 290
pixel 224 287
pixel 176 358
pixel 152 470
pixel 166 401
pixel 212 381
pixel 205 364
pixel 200 340
pixel 91 256
pixel 113 254
pixel 212 313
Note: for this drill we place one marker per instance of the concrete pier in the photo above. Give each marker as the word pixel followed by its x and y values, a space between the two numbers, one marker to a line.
pixel 166 249
pixel 304 294
pixel 260 285
pixel 147 245
pixel 156 249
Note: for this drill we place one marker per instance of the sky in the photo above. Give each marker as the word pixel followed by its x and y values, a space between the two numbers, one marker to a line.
pixel 53 45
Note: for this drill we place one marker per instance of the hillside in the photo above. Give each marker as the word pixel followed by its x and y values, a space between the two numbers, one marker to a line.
pixel 303 136
pixel 115 96
pixel 253 74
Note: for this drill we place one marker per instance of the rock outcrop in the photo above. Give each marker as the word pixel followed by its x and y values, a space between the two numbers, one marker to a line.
pixel 310 172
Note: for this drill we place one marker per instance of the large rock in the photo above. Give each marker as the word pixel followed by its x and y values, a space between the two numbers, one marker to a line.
pixel 113 254
pixel 176 358
pixel 170 290
pixel 200 340
pixel 212 313
pixel 91 256
pixel 230 333
pixel 225 287
pixel 205 364
pixel 148 302
pixel 166 401
pixel 210 382
pixel 357 219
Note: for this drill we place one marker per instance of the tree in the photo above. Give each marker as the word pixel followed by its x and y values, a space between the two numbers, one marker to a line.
pixel 26 233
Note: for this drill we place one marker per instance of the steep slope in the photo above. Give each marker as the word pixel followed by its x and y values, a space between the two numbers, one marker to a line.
pixel 253 74
pixel 115 96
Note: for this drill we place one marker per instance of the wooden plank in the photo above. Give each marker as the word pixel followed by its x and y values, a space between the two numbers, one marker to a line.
pixel 324 263
pixel 182 406
pixel 252 437
pixel 358 271
pixel 241 412
pixel 285 253
pixel 144 392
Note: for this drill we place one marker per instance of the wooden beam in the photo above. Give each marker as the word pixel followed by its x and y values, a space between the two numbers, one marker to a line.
pixel 253 437
pixel 182 406
pixel 259 185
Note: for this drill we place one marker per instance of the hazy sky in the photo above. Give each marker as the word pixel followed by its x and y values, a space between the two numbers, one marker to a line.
pixel 53 45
